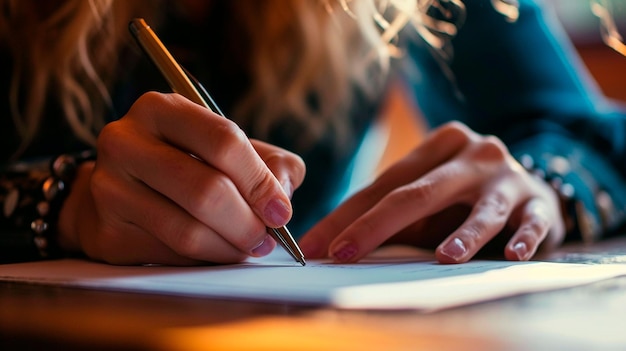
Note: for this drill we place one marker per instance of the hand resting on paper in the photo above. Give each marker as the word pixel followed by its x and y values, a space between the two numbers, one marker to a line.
pixel 457 191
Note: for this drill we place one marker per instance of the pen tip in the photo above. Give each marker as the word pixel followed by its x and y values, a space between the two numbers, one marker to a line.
pixel 302 262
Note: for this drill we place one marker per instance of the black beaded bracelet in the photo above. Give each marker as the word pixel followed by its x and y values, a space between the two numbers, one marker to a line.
pixel 34 197
pixel 579 221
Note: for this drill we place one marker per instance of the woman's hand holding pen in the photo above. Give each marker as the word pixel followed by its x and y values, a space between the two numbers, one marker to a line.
pixel 148 201
pixel 457 191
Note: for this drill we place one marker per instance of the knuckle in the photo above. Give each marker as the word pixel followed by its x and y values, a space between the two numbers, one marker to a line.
pixel 277 158
pixel 229 142
pixel 298 168
pixel 497 205
pixel 210 192
pixel 289 159
pixel 457 131
pixel 187 241
pixel 111 140
pixel 298 161
pixel 492 148
pixel 456 127
pixel 262 185
pixel 419 191
pixel 251 235
pixel 297 164
pixel 536 224
pixel 142 108
pixel 150 99
pixel 471 233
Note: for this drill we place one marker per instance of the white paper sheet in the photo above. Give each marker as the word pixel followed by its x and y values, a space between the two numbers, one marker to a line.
pixel 385 282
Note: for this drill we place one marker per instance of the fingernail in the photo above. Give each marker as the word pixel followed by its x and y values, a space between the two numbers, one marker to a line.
pixel 264 248
pixel 521 250
pixel 454 249
pixel 277 212
pixel 344 251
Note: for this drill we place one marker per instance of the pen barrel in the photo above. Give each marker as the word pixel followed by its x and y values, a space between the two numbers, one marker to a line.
pixel 161 57
pixel 286 240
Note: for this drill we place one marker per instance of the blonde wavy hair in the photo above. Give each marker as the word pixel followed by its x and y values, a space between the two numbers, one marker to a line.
pixel 321 48
pixel 62 49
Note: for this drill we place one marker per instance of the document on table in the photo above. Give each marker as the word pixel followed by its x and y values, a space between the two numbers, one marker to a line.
pixel 381 282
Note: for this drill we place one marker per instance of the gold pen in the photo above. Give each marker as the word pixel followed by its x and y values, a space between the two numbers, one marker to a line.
pixel 180 82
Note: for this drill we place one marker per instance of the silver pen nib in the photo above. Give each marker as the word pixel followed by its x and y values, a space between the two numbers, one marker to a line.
pixel 286 240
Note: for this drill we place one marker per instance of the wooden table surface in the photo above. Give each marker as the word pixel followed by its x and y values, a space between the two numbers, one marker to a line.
pixel 590 317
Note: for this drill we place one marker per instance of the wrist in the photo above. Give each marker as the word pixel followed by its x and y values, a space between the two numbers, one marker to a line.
pixel 73 209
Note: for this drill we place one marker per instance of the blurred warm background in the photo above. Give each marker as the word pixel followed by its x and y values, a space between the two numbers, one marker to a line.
pixel 607 66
